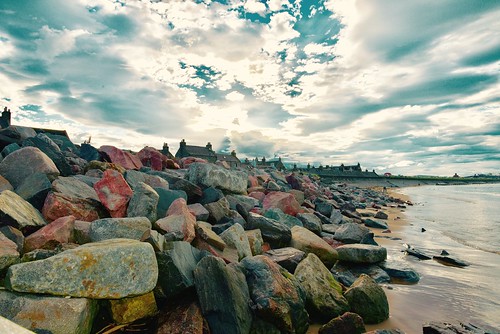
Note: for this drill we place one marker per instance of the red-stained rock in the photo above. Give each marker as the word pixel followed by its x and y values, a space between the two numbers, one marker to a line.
pixel 179 224
pixel 114 193
pixel 171 164
pixel 253 181
pixel 281 200
pixel 229 254
pixel 257 195
pixel 184 318
pixel 185 162
pixel 58 205
pixel 58 232
pixel 126 159
pixel 294 181
pixel 153 158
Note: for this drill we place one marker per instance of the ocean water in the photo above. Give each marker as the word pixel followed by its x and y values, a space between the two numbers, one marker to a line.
pixel 464 221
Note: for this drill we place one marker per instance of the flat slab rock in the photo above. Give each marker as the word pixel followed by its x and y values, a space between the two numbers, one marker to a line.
pixel 456 328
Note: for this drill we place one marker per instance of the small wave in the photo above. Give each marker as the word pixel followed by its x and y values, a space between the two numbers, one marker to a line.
pixel 469 244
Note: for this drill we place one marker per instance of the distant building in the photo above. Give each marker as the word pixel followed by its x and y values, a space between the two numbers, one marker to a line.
pixel 196 151
pixel 341 171
pixel 166 152
pixel 387 174
pixel 275 162
pixel 456 175
pixel 231 159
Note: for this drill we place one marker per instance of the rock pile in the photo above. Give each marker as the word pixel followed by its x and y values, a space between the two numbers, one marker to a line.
pixel 89 234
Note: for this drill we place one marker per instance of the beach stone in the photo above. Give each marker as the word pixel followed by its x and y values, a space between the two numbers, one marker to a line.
pixel 134 177
pixel 35 189
pixel 210 175
pixel 255 241
pixel 336 217
pixel 217 210
pixel 381 215
pixel 277 234
pixel 455 328
pixel 48 237
pixel 136 228
pixel 143 203
pixel 347 323
pixel 298 194
pixel 351 233
pixel 211 195
pixel 386 331
pixel 399 271
pixel 57 205
pixel 51 150
pixel 199 211
pixel 9 149
pixel 375 224
pixel 84 271
pixel 281 200
pixel 359 253
pixel 16 212
pixel 223 295
pixel 330 228
pixel 273 186
pixel 236 237
pixel 130 309
pixel 293 181
pixel 123 158
pixel 311 222
pixel 367 299
pixel 192 191
pixel 205 233
pixel 48 314
pixel 5 184
pixel 324 298
pixel 114 193
pixel 179 224
pixel 81 232
pixel 308 242
pixel 14 235
pixel 184 318
pixel 72 187
pixel 88 152
pixel 287 257
pixel 247 202
pixel 324 207
pixel 151 157
pixel 166 198
pixel 347 273
pixel 277 296
pixel 277 214
pixel 9 253
pixel 7 326
pixel 175 268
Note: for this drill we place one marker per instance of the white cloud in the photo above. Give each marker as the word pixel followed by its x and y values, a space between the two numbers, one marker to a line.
pixel 255 6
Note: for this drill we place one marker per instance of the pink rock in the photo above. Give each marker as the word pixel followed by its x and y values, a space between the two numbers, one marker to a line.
pixel 185 162
pixel 126 159
pixel 114 193
pixel 171 164
pixel 252 181
pixel 229 254
pixel 284 201
pixel 8 252
pixel 179 221
pixel 259 195
pixel 199 211
pixel 58 232
pixel 153 158
pixel 256 189
pixel 58 205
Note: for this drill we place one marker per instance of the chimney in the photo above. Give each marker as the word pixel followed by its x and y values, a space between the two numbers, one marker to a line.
pixel 209 146
pixel 5 120
pixel 233 153
pixel 183 143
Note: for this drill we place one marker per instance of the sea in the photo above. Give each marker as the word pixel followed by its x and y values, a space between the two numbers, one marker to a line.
pixel 464 220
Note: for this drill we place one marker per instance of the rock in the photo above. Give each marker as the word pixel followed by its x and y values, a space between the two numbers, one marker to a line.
pixel 9 254
pixel 81 232
pixel 179 223
pixel 367 299
pixel 278 299
pixel 123 158
pixel 72 187
pixel 416 252
pixel 273 186
pixel 386 331
pixel 35 189
pixel 368 239
pixel 143 203
pixel 14 235
pixel 223 296
pixel 114 193
pixel 134 177
pixel 299 195
pixel 48 237
pixel 260 326
pixel 7 326
pixel 236 237
pixel 16 212
pixel 287 257
pixel 277 234
pixel 358 253
pixel 39 254
pixel 348 273
pixel 282 217
pixel 336 217
pixel 375 224
pixel 210 175
pixel 192 191
pixel 166 198
pixel 5 184
pixel 9 149
pixel 381 215
pixel 255 240
pixel 48 314
pixel 293 181
pixel 330 228
pixel 351 233
pixel 324 207
pixel 455 328
pixel 127 310
pixel 96 168
pixel 88 152
pixel 450 261
pixel 151 157
pixel 247 202
pixel 211 195
pixel 311 222
pixel 324 298
pixel 199 211
pixel 347 323
pixel 84 271
pixel 217 210
pixel 400 272
pixel 205 233
pixel 51 150
pixel 57 205
pixel 136 228
pixel 281 200
pixel 308 242
pixel 228 255
pixel 184 318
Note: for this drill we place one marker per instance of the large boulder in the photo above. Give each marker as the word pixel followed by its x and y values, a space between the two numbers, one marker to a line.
pixel 347 323
pixel 255 240
pixel 281 200
pixel 223 296
pixel 184 318
pixel 210 175
pixel 359 253
pixel 84 271
pixel 217 210
pixel 58 232
pixel 72 187
pixel 143 203
pixel 35 189
pixel 277 296
pixel 114 193
pixel 367 299
pixel 126 159
pixel 309 242
pixel 351 233
pixel 277 234
pixel 20 164
pixel 58 205
pixel 399 271
pixel 127 310
pixel 347 273
pixel 47 146
pixel 179 224
pixel 311 222
pixel 277 214
pixel 236 237
pixel 134 177
pixel 287 257
pixel 324 298
pixel 48 314
pixel 204 232
pixel 151 157
pixel 166 198
pixel 15 211
pixel 136 228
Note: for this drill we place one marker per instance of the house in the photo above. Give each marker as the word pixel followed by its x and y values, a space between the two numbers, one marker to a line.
pixel 231 159
pixel 196 151
pixel 276 163
pixel 166 152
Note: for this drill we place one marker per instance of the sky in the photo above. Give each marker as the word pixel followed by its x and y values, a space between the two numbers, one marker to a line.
pixel 408 87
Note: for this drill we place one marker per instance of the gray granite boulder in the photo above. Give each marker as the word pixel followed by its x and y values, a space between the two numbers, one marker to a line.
pixel 347 273
pixel 134 177
pixel 351 233
pixel 48 314
pixel 136 228
pixel 48 147
pixel 360 253
pixel 279 215
pixel 73 187
pixel 399 272
pixel 311 222
pixel 210 175
pixel 309 242
pixel 85 271
pixel 277 234
pixel 368 299
pixel 166 198
pixel 35 189
pixel 375 223
pixel 144 202
pixel 217 210
pixel 236 237
pixel 381 215
pixel 15 211
pixel 287 257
